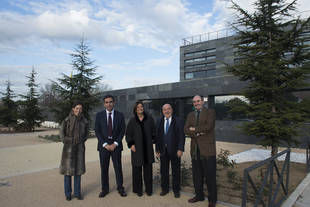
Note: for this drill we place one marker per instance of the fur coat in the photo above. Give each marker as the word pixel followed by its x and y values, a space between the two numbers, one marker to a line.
pixel 73 133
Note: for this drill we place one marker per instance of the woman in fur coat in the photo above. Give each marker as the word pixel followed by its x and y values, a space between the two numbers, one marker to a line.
pixel 73 133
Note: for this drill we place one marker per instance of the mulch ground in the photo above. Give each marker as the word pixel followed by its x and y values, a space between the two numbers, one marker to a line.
pixel 230 180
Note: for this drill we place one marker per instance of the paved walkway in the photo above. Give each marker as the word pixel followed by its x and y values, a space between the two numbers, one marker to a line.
pixel 29 177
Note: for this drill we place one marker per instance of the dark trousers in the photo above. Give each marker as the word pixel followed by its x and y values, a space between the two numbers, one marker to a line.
pixel 147 177
pixel 68 185
pixel 117 164
pixel 205 168
pixel 165 160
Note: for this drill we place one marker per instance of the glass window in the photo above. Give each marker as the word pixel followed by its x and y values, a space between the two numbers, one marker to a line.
pixel 307 42
pixel 195 60
pixel 208 51
pixel 189 61
pixel 200 74
pixel 188 54
pixel 189 76
pixel 199 59
pixel 189 67
pixel 306 33
pixel 200 53
pixel 211 64
pixel 211 73
pixel 194 66
pixel 211 50
pixel 211 57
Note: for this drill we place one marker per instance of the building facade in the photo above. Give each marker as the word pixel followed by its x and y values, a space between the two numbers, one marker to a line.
pixel 202 71
pixel 206 57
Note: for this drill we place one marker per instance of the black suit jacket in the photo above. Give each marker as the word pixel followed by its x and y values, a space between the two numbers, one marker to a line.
pixel 101 129
pixel 176 137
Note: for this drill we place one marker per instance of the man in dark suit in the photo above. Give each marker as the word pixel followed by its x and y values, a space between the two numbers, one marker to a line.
pixel 199 126
pixel 110 129
pixel 170 141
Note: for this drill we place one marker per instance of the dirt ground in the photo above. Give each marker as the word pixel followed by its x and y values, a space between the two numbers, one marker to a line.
pixel 45 185
pixel 230 181
pixel 25 138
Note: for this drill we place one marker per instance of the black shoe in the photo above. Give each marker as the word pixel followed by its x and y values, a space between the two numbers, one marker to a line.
pixel 139 194
pixel 164 192
pixel 149 194
pixel 177 195
pixel 102 194
pixel 79 197
pixel 195 199
pixel 68 198
pixel 122 193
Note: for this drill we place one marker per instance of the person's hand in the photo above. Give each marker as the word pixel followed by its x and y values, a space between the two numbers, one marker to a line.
pixel 192 129
pixel 113 146
pixel 133 148
pixel 158 154
pixel 108 147
pixel 179 153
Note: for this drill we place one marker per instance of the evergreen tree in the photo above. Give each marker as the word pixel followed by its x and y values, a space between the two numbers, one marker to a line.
pixel 8 110
pixel 30 114
pixel 274 60
pixel 237 108
pixel 81 85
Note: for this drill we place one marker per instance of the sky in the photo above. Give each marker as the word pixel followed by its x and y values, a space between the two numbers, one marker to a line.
pixel 133 42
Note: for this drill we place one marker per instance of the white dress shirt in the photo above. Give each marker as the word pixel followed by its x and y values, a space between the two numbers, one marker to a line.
pixel 112 116
pixel 169 119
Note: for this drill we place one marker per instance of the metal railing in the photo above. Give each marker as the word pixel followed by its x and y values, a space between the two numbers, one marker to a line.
pixel 207 36
pixel 273 187
pixel 306 133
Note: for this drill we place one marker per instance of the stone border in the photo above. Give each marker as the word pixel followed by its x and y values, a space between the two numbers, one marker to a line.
pixel 291 200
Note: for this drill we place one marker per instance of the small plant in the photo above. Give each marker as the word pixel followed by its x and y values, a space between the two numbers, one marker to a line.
pixel 231 175
pixel 222 159
pixel 186 174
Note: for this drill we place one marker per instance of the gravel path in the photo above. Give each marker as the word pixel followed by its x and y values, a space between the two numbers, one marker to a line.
pixel 29 175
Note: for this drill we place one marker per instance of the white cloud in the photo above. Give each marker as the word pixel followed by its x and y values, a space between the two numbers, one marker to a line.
pixel 151 24
pixel 44 27
pixel 17 75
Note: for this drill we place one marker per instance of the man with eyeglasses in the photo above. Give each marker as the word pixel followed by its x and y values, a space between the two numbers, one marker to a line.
pixel 170 140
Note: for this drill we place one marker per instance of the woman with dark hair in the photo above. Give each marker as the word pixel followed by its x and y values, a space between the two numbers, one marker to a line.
pixel 73 133
pixel 140 136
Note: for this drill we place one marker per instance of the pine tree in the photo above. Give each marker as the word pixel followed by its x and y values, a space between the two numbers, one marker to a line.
pixel 79 86
pixel 8 110
pixel 30 114
pixel 274 60
pixel 237 108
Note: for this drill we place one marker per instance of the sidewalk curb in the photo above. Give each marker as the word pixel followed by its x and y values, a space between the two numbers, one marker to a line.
pixel 291 200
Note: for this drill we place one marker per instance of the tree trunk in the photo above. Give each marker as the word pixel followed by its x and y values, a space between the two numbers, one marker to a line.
pixel 274 150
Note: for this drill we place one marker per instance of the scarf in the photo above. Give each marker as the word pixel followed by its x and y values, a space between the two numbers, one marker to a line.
pixel 73 127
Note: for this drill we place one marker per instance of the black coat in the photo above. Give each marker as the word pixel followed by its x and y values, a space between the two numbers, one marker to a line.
pixel 142 135
pixel 175 136
pixel 101 129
